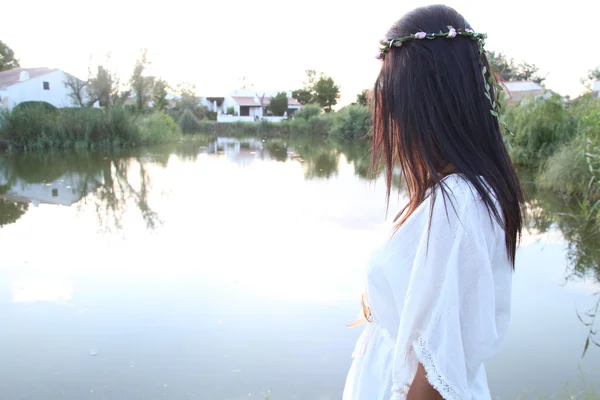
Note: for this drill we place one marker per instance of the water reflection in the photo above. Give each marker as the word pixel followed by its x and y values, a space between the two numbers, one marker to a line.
pixel 111 182
pixel 549 213
pixel 239 261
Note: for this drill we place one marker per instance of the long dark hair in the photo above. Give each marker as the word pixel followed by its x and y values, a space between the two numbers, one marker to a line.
pixel 431 117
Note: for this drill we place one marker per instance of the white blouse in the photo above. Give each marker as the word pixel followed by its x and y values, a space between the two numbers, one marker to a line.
pixel 438 297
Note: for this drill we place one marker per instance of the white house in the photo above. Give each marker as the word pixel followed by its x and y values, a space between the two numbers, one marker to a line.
pixel 248 105
pixel 49 85
pixel 596 89
pixel 520 89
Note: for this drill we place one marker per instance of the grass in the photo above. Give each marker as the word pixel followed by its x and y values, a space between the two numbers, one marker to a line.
pixel 38 128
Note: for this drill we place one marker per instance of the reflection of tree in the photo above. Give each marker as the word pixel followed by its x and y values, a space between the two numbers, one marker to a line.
pixel 109 181
pixel 582 233
pixel 277 150
pixel 189 149
pixel 320 157
pixel 358 153
pixel 11 211
pixel 112 198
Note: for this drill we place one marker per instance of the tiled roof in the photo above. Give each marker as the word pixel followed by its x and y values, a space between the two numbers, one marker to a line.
pixel 291 102
pixel 246 101
pixel 10 77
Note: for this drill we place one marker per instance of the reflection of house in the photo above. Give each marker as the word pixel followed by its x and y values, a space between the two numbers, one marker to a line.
pixel 239 151
pixel 247 106
pixel 49 85
pixel 596 89
pixel 66 190
pixel 520 89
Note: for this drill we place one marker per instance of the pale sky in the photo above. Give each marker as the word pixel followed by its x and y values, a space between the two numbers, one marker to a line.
pixel 214 44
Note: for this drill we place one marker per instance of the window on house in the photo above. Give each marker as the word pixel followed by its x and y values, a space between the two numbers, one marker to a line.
pixel 244 111
pixel 46 85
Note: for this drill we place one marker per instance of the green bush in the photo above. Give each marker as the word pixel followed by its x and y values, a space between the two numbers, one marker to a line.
pixel 188 122
pixel 309 111
pixel 158 128
pixel 36 127
pixel 352 122
pixel 540 125
pixel 574 170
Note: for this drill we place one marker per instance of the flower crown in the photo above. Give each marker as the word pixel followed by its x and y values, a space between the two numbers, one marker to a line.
pixel 387 45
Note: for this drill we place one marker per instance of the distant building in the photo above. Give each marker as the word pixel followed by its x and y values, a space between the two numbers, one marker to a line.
pixel 248 105
pixel 520 89
pixel 596 89
pixel 47 85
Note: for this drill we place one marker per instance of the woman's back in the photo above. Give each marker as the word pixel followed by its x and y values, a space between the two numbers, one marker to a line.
pixel 439 294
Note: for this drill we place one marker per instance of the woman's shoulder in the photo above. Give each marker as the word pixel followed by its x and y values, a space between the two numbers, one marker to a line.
pixel 459 198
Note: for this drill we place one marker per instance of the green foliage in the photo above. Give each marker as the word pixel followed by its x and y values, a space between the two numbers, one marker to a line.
pixel 159 95
pixel 279 104
pixel 309 111
pixel 7 58
pixel 319 89
pixel 352 122
pixel 36 127
pixel 574 170
pixel 11 211
pixel 158 128
pixel 230 110
pixel 141 85
pixel 188 122
pixel 188 98
pixel 361 98
pixel 103 87
pixel 540 125
pixel 509 70
pixel 304 96
pixel 326 93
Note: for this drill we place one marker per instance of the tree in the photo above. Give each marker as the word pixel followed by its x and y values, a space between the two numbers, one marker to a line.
pixel 303 96
pixel 159 94
pixel 279 104
pixel 306 94
pixel 103 86
pixel 188 99
pixel 318 88
pixel 592 76
pixel 7 58
pixel 326 92
pixel 361 98
pixel 509 70
pixel 502 65
pixel 141 85
pixel 78 91
pixel 528 72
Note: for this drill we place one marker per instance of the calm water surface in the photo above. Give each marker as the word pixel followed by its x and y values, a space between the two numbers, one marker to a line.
pixel 224 270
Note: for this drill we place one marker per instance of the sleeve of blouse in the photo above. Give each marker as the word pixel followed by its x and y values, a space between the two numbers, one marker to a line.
pixel 447 320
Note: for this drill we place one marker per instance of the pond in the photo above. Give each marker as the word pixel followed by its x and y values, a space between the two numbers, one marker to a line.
pixel 228 269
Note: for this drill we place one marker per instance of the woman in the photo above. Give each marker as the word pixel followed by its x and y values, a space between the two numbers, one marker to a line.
pixel 437 295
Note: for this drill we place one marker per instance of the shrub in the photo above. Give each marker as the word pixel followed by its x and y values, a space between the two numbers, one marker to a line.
pixel 309 111
pixel 158 128
pixel 540 125
pixel 574 170
pixel 352 122
pixel 188 122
